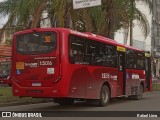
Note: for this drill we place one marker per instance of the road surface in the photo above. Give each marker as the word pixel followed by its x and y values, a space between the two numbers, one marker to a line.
pixel 150 102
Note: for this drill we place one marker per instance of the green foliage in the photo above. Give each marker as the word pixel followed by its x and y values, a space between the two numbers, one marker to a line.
pixel 156 86
pixel 7 97
pixel 104 20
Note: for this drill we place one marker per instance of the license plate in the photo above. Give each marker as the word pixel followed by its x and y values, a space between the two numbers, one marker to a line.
pixel 36 84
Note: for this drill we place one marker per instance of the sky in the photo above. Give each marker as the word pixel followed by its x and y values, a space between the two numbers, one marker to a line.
pixel 137 35
pixel 2 19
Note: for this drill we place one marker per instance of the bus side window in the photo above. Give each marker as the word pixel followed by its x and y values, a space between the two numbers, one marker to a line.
pixel 109 56
pixel 140 61
pixel 91 49
pixel 131 59
pixel 76 49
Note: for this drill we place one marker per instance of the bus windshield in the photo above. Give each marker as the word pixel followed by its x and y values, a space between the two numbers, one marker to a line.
pixel 36 43
pixel 5 69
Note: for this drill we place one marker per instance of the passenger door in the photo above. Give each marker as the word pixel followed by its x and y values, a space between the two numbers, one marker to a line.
pixel 148 72
pixel 121 83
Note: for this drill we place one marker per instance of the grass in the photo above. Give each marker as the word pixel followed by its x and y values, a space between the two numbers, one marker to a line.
pixel 155 86
pixel 7 97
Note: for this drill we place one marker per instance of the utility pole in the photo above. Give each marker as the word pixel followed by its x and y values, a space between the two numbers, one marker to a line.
pixel 131 24
pixel 131 32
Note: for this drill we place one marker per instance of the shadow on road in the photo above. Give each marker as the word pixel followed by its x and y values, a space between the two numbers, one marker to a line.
pixel 84 106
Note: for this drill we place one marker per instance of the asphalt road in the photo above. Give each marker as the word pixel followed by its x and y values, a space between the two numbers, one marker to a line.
pixel 150 102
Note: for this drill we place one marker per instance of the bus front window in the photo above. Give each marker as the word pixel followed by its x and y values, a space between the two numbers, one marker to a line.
pixel 36 43
pixel 5 69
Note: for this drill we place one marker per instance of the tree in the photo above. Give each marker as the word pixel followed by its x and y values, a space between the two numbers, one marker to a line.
pixel 140 17
pixel 104 20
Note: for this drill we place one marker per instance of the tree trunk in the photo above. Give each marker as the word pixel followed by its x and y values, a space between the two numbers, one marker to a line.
pixel 4 27
pixel 131 23
pixel 131 32
pixel 87 20
pixel 110 20
pixel 38 13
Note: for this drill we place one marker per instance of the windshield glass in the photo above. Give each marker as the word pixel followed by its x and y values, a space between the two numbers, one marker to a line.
pixel 36 43
pixel 5 69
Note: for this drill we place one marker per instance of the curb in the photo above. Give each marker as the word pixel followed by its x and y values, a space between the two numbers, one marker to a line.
pixel 23 103
pixel 12 104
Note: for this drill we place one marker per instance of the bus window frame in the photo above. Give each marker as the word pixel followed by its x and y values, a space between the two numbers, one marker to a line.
pixel 135 66
pixel 143 56
pixel 72 52
pixel 128 63
pixel 36 52
pixel 92 41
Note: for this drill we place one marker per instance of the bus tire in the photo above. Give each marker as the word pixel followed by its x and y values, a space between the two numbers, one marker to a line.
pixel 104 96
pixel 140 93
pixel 64 101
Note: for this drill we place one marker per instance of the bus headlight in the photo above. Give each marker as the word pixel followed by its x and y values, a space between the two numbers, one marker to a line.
pixel 55 91
pixel 16 91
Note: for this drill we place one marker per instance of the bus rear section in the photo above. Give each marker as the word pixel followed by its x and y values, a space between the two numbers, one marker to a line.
pixel 138 73
pixel 36 64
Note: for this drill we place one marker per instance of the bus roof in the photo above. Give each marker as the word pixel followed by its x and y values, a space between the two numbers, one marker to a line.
pixel 82 34
pixel 104 39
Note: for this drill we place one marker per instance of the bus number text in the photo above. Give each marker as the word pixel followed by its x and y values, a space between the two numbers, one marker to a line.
pixel 105 75
pixel 45 63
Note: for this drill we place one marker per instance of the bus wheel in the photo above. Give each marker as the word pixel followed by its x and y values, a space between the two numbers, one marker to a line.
pixel 64 101
pixel 104 96
pixel 140 93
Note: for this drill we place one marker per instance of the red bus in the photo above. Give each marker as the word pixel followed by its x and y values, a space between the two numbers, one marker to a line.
pixel 5 67
pixel 5 64
pixel 68 65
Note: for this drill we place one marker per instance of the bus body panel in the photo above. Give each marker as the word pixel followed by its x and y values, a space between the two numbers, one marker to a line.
pixel 86 81
pixel 48 92
pixel 36 71
pixel 100 75
pixel 5 80
pixel 133 80
pixel 69 80
pixel 120 84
